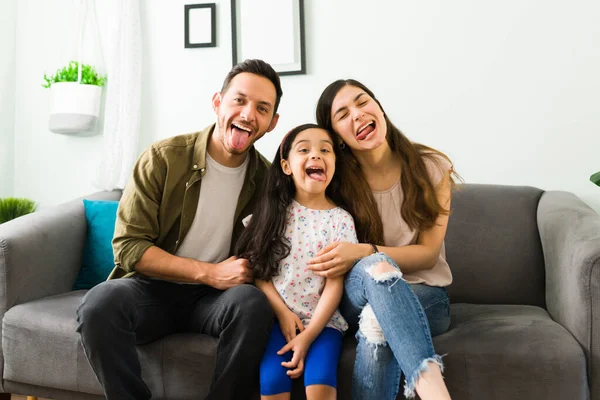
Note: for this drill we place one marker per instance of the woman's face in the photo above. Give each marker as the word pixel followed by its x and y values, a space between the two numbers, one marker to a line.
pixel 358 119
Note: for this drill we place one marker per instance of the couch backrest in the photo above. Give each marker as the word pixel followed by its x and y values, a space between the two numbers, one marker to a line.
pixel 493 246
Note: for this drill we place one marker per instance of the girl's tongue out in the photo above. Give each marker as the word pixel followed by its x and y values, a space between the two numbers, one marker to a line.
pixel 239 138
pixel 317 174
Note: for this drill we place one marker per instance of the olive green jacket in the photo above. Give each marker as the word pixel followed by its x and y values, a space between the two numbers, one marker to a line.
pixel 160 200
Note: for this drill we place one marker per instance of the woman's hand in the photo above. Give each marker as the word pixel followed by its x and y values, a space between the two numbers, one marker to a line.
pixel 289 324
pixel 338 258
pixel 299 346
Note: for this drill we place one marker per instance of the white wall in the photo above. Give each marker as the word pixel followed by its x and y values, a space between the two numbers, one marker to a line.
pixel 8 16
pixel 509 90
pixel 49 168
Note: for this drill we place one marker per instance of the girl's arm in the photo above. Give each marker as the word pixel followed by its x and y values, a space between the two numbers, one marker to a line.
pixel 328 303
pixel 288 321
pixel 337 258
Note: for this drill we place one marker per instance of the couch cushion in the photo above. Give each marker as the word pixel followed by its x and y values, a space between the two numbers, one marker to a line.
pixel 493 352
pixel 493 246
pixel 98 259
pixel 175 367
pixel 511 352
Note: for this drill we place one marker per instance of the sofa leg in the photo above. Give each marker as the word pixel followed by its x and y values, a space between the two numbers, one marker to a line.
pixel 4 396
pixel 32 398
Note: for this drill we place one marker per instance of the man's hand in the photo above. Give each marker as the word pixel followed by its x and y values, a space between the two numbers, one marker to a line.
pixel 289 323
pixel 229 273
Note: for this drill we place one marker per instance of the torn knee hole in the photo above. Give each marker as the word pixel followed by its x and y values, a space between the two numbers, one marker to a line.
pixel 369 326
pixel 382 268
pixel 383 271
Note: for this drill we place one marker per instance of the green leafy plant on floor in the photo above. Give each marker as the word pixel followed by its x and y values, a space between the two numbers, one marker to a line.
pixel 11 208
pixel 89 75
pixel 596 178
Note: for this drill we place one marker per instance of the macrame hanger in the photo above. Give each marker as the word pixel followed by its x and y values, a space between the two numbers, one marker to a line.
pixel 81 16
pixel 95 29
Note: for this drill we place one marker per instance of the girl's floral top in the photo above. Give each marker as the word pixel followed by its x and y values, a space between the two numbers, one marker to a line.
pixel 308 231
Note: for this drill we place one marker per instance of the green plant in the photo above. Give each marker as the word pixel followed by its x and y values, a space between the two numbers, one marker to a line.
pixel 11 208
pixel 89 75
pixel 596 178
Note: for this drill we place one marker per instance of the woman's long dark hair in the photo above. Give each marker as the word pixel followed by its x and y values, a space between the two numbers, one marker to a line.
pixel 420 207
pixel 263 241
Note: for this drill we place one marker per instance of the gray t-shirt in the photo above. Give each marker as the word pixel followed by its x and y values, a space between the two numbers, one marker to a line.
pixel 209 237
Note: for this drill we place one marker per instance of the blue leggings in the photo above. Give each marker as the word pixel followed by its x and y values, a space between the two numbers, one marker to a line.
pixel 320 364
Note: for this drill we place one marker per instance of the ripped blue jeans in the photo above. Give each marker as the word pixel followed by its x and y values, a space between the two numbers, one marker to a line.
pixel 393 320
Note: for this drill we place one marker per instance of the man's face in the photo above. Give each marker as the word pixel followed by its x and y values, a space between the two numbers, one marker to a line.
pixel 245 112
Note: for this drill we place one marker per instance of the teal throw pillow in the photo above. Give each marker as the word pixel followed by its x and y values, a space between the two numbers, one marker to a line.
pixel 98 260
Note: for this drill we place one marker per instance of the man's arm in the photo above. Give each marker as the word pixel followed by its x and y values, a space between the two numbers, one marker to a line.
pixel 157 263
pixel 137 226
pixel 137 230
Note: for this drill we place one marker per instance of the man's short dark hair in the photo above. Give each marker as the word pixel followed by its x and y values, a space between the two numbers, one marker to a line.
pixel 256 67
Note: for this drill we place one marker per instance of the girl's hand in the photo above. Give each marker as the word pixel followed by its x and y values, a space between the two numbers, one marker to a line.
pixel 299 346
pixel 289 324
pixel 337 258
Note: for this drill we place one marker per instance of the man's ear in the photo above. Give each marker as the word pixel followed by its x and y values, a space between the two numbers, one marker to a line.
pixel 285 167
pixel 273 123
pixel 216 102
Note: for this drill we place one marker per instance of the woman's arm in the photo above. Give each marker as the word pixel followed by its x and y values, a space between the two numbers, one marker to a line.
pixel 424 254
pixel 337 258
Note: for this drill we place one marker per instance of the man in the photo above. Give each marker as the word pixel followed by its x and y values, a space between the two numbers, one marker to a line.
pixel 178 217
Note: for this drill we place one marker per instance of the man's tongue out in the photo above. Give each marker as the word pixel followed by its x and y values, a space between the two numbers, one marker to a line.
pixel 239 138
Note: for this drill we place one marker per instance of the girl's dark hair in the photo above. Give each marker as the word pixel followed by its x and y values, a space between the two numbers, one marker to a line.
pixel 263 241
pixel 420 207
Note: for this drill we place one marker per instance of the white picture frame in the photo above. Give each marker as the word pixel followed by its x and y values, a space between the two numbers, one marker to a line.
pixel 270 30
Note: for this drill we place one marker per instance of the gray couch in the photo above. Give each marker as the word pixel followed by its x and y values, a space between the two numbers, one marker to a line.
pixel 525 312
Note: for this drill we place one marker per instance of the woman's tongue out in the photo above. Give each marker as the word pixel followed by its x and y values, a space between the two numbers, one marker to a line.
pixel 239 138
pixel 366 131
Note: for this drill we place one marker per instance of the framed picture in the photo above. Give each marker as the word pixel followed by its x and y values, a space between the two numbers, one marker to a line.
pixel 271 30
pixel 200 25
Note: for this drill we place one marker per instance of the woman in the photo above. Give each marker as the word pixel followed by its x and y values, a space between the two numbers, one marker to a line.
pixel 396 292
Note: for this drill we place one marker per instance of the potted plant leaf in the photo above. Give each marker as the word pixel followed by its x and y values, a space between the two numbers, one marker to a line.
pixel 11 208
pixel 596 178
pixel 76 90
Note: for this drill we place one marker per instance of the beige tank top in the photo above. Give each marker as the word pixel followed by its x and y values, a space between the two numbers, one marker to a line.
pixel 397 233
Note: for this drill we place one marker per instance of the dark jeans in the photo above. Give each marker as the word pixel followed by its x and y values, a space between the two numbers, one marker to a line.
pixel 118 314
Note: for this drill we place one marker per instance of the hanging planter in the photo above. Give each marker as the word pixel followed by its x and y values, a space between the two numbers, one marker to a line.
pixel 75 98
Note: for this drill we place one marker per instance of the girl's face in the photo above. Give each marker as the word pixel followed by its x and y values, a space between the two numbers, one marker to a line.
pixel 358 119
pixel 310 162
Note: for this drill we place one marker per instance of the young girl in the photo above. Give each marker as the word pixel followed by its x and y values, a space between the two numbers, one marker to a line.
pixel 298 217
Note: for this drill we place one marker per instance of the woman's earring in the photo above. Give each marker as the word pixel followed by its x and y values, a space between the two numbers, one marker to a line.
pixel 342 145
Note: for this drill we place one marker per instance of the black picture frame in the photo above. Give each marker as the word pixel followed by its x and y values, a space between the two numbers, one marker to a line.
pixel 240 28
pixel 212 8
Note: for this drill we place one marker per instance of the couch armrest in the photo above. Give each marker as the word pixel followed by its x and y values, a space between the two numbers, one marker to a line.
pixel 570 235
pixel 40 253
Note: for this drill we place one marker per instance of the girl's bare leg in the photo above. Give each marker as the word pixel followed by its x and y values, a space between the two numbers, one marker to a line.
pixel 320 392
pixel 279 396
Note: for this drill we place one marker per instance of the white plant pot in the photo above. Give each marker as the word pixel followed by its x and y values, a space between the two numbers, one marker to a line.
pixel 75 107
